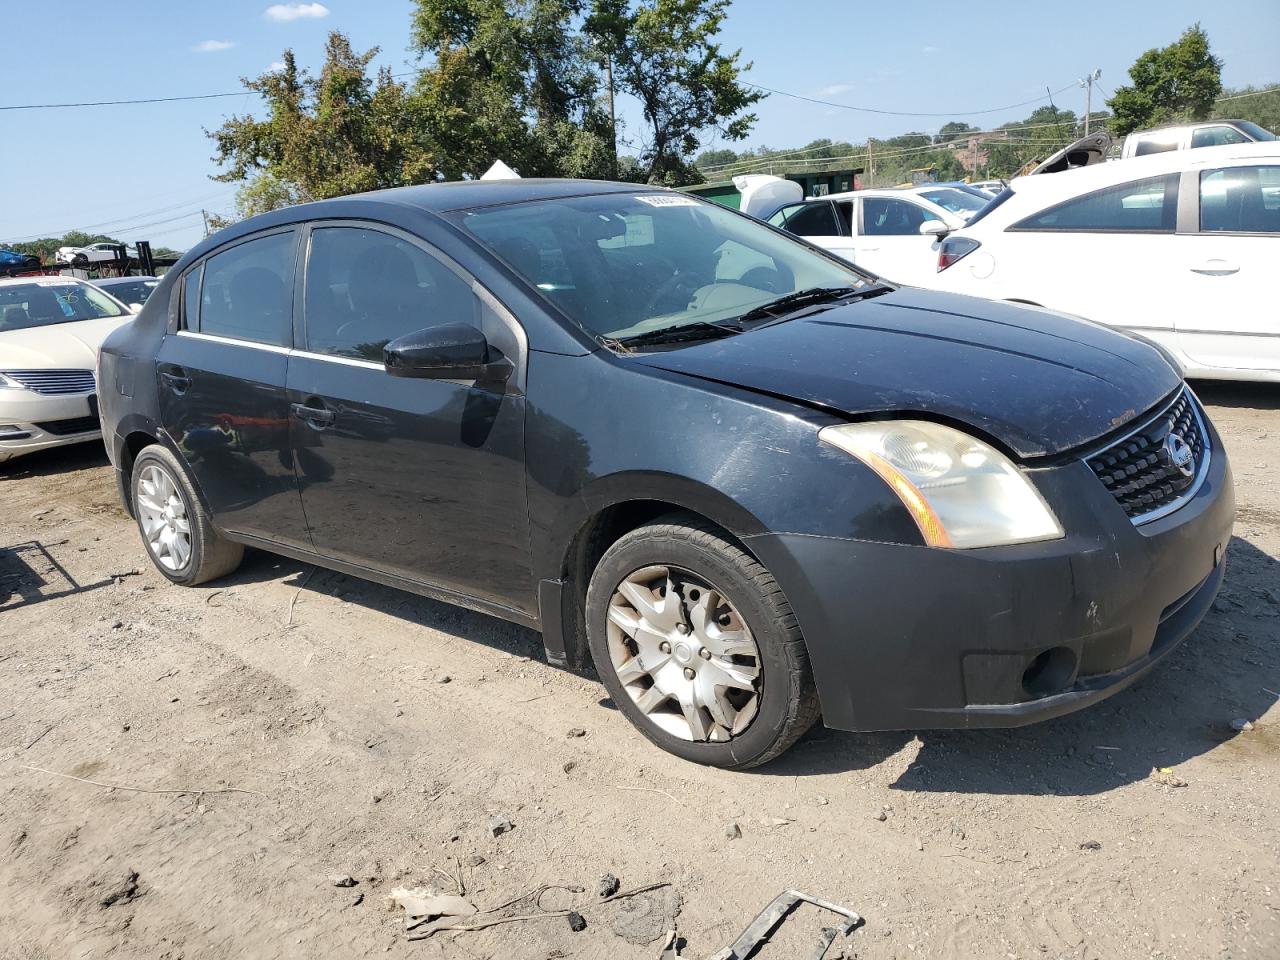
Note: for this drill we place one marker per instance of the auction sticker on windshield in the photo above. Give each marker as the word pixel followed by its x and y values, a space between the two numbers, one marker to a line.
pixel 662 201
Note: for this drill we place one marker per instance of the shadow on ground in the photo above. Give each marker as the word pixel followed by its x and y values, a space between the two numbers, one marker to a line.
pixel 57 460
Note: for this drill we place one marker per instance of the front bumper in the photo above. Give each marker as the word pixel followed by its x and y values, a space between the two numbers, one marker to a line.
pixel 30 421
pixel 908 637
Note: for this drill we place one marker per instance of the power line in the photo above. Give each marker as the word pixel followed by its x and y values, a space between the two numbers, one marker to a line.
pixel 905 113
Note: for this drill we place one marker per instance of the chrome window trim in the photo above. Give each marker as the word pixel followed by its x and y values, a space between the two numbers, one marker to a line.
pixel 220 338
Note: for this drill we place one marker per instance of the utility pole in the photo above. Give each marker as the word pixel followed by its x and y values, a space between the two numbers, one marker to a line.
pixel 204 214
pixel 1087 83
pixel 871 162
pixel 613 117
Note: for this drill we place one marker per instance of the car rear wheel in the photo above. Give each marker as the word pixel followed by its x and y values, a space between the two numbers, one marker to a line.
pixel 175 527
pixel 697 645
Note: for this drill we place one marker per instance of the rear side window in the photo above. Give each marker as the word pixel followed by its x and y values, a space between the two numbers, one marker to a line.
pixel 1240 200
pixel 191 299
pixel 1154 145
pixel 247 293
pixel 1217 137
pixel 365 288
pixel 888 217
pixel 813 220
pixel 1143 206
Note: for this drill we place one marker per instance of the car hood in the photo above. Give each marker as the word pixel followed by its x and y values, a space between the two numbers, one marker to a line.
pixel 62 346
pixel 1039 382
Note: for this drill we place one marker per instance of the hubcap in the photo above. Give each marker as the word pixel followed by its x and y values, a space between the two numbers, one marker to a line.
pixel 163 517
pixel 684 655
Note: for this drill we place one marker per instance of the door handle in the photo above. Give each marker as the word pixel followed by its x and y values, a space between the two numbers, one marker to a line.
pixel 316 416
pixel 176 379
pixel 1216 268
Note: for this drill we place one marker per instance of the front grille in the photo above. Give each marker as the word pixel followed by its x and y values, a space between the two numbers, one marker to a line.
pixel 1154 469
pixel 64 428
pixel 53 381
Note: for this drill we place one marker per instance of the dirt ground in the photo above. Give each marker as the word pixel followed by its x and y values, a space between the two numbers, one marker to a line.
pixel 323 698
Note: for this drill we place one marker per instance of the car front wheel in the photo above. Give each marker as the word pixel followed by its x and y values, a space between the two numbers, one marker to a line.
pixel 697 645
pixel 175 527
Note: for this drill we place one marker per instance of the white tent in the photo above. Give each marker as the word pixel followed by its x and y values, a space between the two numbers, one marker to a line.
pixel 500 171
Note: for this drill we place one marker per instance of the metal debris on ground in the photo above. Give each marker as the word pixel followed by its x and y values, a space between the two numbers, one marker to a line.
pixel 425 911
pixel 762 926
pixel 577 922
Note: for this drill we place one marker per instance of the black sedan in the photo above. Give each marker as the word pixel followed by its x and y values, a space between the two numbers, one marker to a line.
pixel 750 484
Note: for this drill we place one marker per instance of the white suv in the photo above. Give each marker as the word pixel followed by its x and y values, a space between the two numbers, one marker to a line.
pixel 1181 247
pixel 1189 136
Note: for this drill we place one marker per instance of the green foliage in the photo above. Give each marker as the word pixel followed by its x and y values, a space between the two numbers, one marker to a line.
pixel 46 247
pixel 339 133
pixel 511 81
pixel 1263 108
pixel 1170 84
pixel 953 130
pixel 665 55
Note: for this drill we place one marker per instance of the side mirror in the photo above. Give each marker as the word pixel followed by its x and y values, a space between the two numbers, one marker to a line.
pixel 451 351
pixel 934 228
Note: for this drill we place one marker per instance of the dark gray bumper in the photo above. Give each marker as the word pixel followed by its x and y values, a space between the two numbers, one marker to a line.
pixel 908 637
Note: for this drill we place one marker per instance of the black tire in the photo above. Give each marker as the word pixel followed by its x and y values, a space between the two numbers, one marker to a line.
pixel 212 555
pixel 788 700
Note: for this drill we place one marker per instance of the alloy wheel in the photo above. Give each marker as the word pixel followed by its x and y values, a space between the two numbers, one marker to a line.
pixel 163 517
pixel 684 655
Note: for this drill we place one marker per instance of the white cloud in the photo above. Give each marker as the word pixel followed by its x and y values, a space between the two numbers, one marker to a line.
pixel 284 12
pixel 275 67
pixel 928 49
pixel 835 89
pixel 212 46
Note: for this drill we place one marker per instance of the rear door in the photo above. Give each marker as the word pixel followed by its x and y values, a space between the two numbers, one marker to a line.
pixel 889 240
pixel 423 479
pixel 1223 283
pixel 221 378
pixel 821 222
pixel 1088 255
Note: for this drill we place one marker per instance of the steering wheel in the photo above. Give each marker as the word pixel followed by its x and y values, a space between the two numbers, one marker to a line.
pixel 679 278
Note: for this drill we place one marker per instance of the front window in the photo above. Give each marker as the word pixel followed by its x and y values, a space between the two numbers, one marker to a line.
pixel 890 217
pixel 1217 137
pixel 135 291
pixel 42 303
pixel 621 265
pixel 1261 134
pixel 959 202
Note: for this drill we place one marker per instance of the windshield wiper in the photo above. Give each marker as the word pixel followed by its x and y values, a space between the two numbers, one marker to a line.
pixel 680 333
pixel 776 309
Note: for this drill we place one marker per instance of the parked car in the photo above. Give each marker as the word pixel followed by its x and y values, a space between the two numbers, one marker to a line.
pixel 93 253
pixel 50 330
pixel 131 290
pixel 887 232
pixel 1187 136
pixel 1179 247
pixel 11 260
pixel 749 483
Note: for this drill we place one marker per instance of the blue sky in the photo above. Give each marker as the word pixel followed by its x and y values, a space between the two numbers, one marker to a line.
pixel 143 171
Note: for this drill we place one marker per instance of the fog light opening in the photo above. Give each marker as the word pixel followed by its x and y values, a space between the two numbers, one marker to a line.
pixel 1049 672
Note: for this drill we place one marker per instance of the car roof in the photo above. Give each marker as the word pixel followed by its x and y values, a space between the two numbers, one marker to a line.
pixel 464 194
pixel 1186 126
pixel 14 281
pixel 116 281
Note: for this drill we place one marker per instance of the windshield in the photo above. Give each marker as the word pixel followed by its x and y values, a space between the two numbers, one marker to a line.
pixel 1255 131
pixel 622 264
pixel 132 291
pixel 42 303
pixel 955 201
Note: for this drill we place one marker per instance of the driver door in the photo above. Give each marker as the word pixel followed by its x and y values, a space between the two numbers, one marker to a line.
pixel 889 241
pixel 423 479
pixel 820 222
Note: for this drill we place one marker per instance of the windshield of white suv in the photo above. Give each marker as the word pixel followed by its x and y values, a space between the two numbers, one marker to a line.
pixel 1255 131
pixel 44 302
pixel 626 265
pixel 955 201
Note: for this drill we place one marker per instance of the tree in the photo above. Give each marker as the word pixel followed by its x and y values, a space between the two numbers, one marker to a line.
pixel 1260 106
pixel 664 54
pixel 340 133
pixel 1173 83
pixel 954 130
pixel 511 81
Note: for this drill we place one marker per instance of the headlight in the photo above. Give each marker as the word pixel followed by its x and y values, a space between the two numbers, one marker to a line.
pixel 7 383
pixel 960 491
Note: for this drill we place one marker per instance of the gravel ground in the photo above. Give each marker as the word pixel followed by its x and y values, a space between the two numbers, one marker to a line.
pixel 322 700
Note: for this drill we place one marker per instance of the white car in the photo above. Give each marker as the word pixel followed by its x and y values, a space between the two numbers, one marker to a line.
pixel 1192 136
pixel 50 332
pixel 94 253
pixel 1180 247
pixel 888 232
